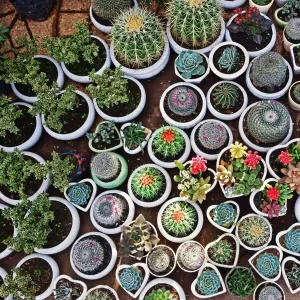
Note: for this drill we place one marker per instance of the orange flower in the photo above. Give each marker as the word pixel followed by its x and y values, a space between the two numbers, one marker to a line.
pixel 146 180
pixel 168 136
pixel 178 215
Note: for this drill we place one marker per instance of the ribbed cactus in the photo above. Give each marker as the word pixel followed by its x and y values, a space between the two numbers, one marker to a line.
pixel 208 282
pixel 138 38
pixel 195 23
pixel 268 71
pixel 109 9
pixel 292 240
pixel 268 121
pixel 105 166
pixel 182 101
pixel 225 95
pixel 268 265
pixel 221 252
pixel 131 279
pixel 293 29
pixel 228 59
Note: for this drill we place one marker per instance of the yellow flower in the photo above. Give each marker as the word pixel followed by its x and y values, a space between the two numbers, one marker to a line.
pixel 237 150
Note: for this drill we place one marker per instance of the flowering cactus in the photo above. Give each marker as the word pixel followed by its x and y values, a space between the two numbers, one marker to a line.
pixel 292 240
pixel 284 157
pixel 208 282
pixel 268 265
pixel 224 214
pixel 237 150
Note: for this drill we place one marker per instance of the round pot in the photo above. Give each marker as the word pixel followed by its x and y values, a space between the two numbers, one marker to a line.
pixel 254 146
pixel 105 287
pixel 262 8
pixel 295 67
pixel 293 104
pixel 3 274
pixel 297 209
pixel 279 22
pixel 255 295
pixel 80 131
pixel 129 218
pixel 175 123
pixel 219 115
pixel 60 80
pixel 147 72
pixel 133 115
pixel 177 48
pixel 157 202
pixel 43 188
pixel 72 234
pixel 86 79
pixel 231 4
pixel 253 54
pixel 35 136
pixel 53 265
pixel 169 165
pixel 199 151
pixel 220 73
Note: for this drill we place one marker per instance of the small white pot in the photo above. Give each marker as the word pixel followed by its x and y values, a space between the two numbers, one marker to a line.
pixel 265 250
pixel 159 281
pixel 177 48
pixel 169 165
pixel 133 115
pixel 60 80
pixel 231 4
pixel 286 43
pixel 297 209
pixel 53 265
pixel 199 151
pixel 157 202
pixel 253 54
pixel 255 296
pixel 35 136
pixel 147 72
pixel 293 104
pixel 284 275
pixel 295 67
pixel 253 248
pixel 43 188
pixel 222 116
pixel 84 286
pixel 230 229
pixel 194 283
pixel 86 79
pixel 104 287
pixel 3 274
pixel 180 239
pixel 182 125
pixel 282 233
pixel 252 145
pixel 268 96
pixel 131 210
pixel 80 131
pixel 72 234
pixel 262 8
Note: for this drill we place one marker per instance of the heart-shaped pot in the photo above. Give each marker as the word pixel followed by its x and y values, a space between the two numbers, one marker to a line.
pixel 269 249
pixel 228 236
pixel 92 197
pixel 287 260
pixel 210 219
pixel 71 280
pixel 145 279
pixel 280 239
pixel 194 283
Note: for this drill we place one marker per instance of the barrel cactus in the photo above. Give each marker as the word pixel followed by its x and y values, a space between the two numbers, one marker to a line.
pixel 229 59
pixel 268 265
pixel 106 166
pixel 131 279
pixel 138 38
pixel 79 193
pixel 292 30
pixel 224 214
pixel 292 240
pixel 160 294
pixel 268 121
pixel 195 23
pixel 268 71
pixel 208 282
pixel 225 95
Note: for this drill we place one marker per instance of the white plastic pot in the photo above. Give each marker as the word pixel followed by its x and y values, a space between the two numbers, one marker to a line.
pixel 297 209
pixel 86 79
pixel 80 131
pixel 255 296
pixel 60 80
pixel 262 8
pixel 293 104
pixel 282 233
pixel 3 274
pixel 35 136
pixel 284 275
pixel 231 4
pixel 104 287
pixel 295 67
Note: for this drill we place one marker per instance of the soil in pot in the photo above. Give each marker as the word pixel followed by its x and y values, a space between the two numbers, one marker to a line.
pixel 264 289
pixel 197 288
pixel 296 51
pixel 204 64
pixel 161 261
pixel 174 294
pixel 143 276
pixel 288 267
pixel 6 230
pixel 275 163
pixel 26 124
pixel 76 288
pixel 102 292
pixel 293 94
pixel 47 67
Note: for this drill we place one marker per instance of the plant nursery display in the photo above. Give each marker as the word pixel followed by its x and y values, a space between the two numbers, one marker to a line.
pixel 268 290
pixel 290 10
pixel 288 240
pixel 291 273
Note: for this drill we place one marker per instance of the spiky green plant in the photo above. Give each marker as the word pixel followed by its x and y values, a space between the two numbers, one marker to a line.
pixel 293 29
pixel 100 295
pixel 221 252
pixel 160 294
pixel 109 10
pixel 134 134
pixel 225 95
pixel 296 92
pixel 294 275
pixel 105 133
pixel 229 59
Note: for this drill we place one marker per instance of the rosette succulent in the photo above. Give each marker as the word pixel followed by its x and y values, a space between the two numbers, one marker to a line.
pixel 79 193
pixel 224 214
pixel 208 282
pixel 131 279
pixel 268 265
pixel 160 294
pixel 292 240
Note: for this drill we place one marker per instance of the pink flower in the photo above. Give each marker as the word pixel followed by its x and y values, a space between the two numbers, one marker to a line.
pixel 91 244
pixel 198 165
pixel 252 159
pixel 96 258
pixel 273 193
pixel 285 157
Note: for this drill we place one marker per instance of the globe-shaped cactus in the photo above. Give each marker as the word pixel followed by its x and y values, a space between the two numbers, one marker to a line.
pixel 268 265
pixel 182 101
pixel 79 193
pixel 292 240
pixel 131 279
pixel 224 214
pixel 270 292
pixel 208 282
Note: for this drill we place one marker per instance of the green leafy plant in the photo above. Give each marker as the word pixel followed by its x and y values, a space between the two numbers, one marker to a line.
pixel 290 10
pixel 221 252
pixel 3 32
pixel 262 2
pixel 294 150
pixel 104 134
pixel 294 275
pixel 134 135
pixel 229 59
pixel 225 95
pixel 161 294
pixel 291 177
pixel 66 291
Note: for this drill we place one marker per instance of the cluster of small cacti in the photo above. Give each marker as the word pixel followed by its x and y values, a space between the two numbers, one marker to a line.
pixel 293 30
pixel 229 59
pixel 268 264
pixel 222 251
pixel 269 292
pixel 160 294
pixel 225 95
pixel 109 10
pixel 100 295
pixel 208 282
pixel 224 214
pixel 292 240
pixel 290 9
pixel 79 193
pixel 131 279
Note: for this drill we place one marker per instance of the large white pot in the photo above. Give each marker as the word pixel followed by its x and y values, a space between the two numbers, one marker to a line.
pixel 231 4
pixel 53 265
pixel 175 123
pixel 86 79
pixel 294 105
pixel 294 260
pixel 255 296
pixel 43 188
pixel 80 131
pixel 297 209
pixel 60 80
pixel 147 72
pixel 3 274
pixel 177 48
pixel 35 136
pixel 262 8
pixel 295 67
pixel 282 233
pixel 105 287
pixel 133 115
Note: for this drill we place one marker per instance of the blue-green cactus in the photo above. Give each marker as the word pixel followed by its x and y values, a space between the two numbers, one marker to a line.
pixel 292 240
pixel 268 265
pixel 208 282
pixel 131 279
pixel 79 193
pixel 224 214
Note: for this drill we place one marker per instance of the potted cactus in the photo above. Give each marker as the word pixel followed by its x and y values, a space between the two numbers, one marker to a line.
pixel 262 5
pixel 295 57
pixel 268 290
pixel 294 96
pixel 101 292
pixel 291 35
pixel 288 240
pixel 291 273
pixel 288 11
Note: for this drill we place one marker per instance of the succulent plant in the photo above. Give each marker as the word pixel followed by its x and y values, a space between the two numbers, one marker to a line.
pixel 131 279
pixel 159 260
pixel 160 294
pixel 271 208
pixel 268 71
pixel 134 135
pixel 65 291
pixel 138 38
pixel 224 214
pixel 105 133
pixel 221 252
pixel 237 150
pixel 290 10
pixel 294 275
pixel 293 29
pixel 268 265
pixel 292 177
pixel 269 292
pixel 79 193
pixel 225 95
pixel 190 63
pixel 100 295
pixel 268 121
pixel 109 10
pixel 296 92
pixel 229 59
pixel 225 174
pixel 208 282
pixel 195 23
pixel 182 101
pixel 292 240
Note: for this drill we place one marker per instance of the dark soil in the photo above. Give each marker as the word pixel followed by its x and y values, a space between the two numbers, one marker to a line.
pixel 170 158
pixel 6 230
pixel 275 163
pixel 26 124
pixel 91 187
pixel 197 289
pixel 281 239
pixel 288 268
pixel 175 295
pixel 293 95
pixel 74 286
pixel 143 276
pixel 297 55
pixel 205 65
pixel 260 288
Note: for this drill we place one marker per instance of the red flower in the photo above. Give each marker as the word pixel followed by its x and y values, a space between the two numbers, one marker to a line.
pixel 168 136
pixel 238 11
pixel 273 193
pixel 198 165
pixel 285 157
pixel 272 209
pixel 252 159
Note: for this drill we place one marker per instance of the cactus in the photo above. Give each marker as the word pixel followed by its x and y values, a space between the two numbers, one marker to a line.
pixel 224 214
pixel 269 292
pixel 79 193
pixel 292 240
pixel 296 92
pixel 294 276
pixel 229 59
pixel 195 23
pixel 268 71
pixel 109 10
pixel 238 150
pixel 208 282
pixel 182 101
pixel 131 279
pixel 138 38
pixel 221 252
pixel 159 260
pixel 268 265
pixel 225 95
pixel 160 294
pixel 293 30
pixel 100 295
pixel 268 121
